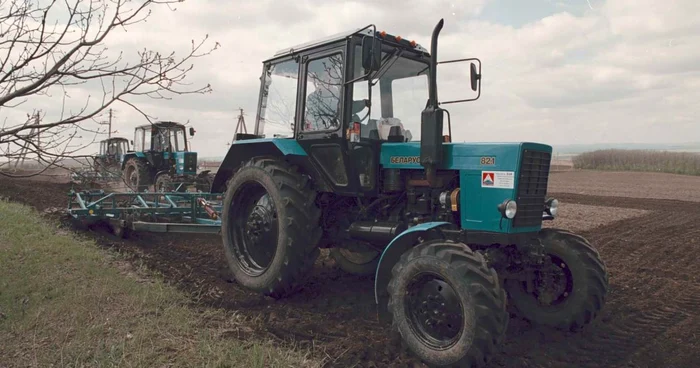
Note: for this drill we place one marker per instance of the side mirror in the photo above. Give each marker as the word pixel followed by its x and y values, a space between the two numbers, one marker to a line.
pixel 191 131
pixel 132 142
pixel 475 76
pixel 451 78
pixel 371 53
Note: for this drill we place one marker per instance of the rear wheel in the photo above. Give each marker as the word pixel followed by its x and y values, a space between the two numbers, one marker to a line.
pixel 270 226
pixel 136 175
pixel 569 290
pixel 447 304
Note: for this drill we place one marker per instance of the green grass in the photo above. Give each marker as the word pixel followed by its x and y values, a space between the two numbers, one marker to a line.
pixel 66 302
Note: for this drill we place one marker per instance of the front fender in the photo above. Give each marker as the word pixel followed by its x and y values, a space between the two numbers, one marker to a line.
pixel 392 253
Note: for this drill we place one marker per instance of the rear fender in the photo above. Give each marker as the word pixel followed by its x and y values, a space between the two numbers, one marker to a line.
pixel 392 253
pixel 242 151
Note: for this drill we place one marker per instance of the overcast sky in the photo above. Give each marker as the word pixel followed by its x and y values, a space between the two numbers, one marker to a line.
pixel 557 72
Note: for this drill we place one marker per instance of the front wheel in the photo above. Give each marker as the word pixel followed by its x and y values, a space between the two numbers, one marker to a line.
pixel 447 304
pixel 361 263
pixel 568 290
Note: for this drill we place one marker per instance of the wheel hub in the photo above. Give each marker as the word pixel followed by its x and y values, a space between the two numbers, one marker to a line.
pixel 255 228
pixel 435 312
pixel 553 283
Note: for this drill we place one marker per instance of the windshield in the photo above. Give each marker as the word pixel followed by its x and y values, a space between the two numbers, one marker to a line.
pixel 398 97
pixel 169 140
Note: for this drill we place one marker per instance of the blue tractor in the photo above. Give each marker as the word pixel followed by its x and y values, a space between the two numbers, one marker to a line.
pixel 452 232
pixel 161 158
pixel 112 150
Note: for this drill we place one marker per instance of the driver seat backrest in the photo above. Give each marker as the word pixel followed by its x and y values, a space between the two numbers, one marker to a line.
pixel 366 130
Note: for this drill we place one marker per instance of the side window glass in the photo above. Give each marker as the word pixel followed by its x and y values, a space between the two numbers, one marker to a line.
pixel 278 102
pixel 138 141
pixel 147 139
pixel 324 83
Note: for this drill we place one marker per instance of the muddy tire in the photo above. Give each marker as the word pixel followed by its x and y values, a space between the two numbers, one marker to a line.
pixel 356 263
pixel 578 287
pixel 163 184
pixel 136 175
pixel 204 183
pixel 270 227
pixel 447 304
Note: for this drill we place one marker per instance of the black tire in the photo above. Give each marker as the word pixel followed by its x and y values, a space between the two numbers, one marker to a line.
pixel 136 175
pixel 265 254
pixel 583 289
pixel 163 184
pixel 204 183
pixel 356 263
pixel 464 286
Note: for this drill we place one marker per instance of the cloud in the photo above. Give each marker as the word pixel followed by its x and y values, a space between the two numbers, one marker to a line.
pixel 619 70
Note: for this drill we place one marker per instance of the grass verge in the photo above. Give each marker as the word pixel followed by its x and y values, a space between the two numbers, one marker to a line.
pixel 66 302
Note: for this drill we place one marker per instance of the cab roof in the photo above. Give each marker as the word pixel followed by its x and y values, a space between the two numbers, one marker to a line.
pixel 115 139
pixel 366 31
pixel 164 124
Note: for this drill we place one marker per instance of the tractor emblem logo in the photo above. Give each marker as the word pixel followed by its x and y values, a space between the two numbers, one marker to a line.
pixel 487 179
pixel 404 159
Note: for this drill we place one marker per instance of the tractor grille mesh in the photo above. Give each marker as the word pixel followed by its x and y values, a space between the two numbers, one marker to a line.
pixel 532 188
pixel 190 162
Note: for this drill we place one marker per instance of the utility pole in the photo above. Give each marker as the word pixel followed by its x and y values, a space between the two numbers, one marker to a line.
pixel 240 126
pixel 109 132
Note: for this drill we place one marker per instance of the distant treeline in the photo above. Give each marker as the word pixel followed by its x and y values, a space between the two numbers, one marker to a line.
pixel 686 163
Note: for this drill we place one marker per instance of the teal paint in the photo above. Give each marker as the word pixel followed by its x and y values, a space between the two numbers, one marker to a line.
pixel 287 146
pixel 478 205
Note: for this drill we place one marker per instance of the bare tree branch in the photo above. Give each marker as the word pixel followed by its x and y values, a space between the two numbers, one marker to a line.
pixel 48 45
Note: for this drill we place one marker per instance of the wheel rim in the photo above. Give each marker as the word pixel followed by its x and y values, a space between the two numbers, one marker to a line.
pixel 554 283
pixel 434 311
pixel 253 228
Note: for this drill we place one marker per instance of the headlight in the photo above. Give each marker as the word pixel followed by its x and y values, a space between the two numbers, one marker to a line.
pixel 511 209
pixel 508 208
pixel 552 206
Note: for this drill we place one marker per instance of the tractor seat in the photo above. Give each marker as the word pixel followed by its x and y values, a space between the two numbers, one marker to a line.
pixel 367 130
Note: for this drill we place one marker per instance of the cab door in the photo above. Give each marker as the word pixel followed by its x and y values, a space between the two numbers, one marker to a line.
pixel 321 117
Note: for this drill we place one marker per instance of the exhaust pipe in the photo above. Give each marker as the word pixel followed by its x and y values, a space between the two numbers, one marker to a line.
pixel 431 118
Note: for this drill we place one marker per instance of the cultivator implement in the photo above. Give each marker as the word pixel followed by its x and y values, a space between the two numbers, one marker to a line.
pixel 91 176
pixel 153 212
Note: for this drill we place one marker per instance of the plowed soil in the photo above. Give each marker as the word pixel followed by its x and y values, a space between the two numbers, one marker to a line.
pixel 651 247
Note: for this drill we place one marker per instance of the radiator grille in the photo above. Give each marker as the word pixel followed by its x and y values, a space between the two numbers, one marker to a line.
pixel 532 188
pixel 190 162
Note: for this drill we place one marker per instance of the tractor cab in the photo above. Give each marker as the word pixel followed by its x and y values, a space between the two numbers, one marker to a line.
pixel 163 136
pixel 112 151
pixel 341 99
pixel 114 148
